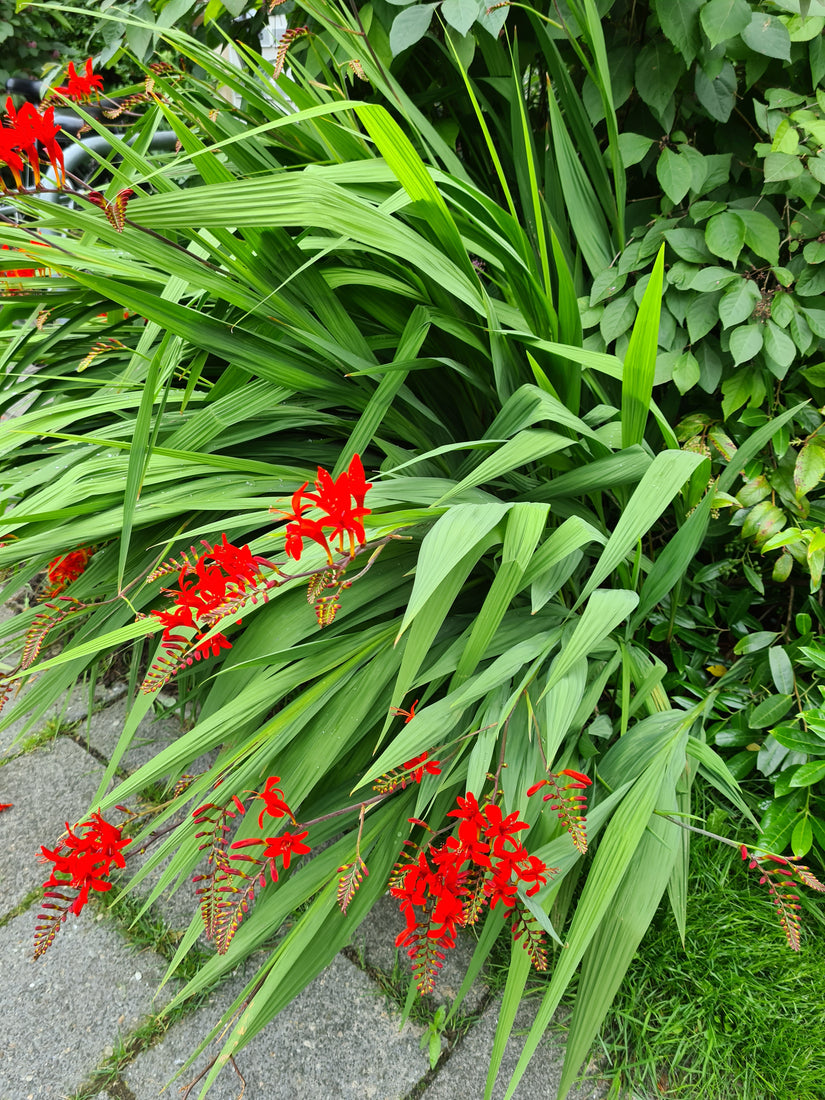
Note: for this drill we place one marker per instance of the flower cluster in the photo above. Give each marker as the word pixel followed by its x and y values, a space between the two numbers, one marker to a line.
pixel 569 807
pixel 226 890
pixel 67 568
pixel 20 135
pixel 411 771
pixel 210 586
pixel 446 886
pixel 342 503
pixel 81 89
pixel 82 862
pixel 780 873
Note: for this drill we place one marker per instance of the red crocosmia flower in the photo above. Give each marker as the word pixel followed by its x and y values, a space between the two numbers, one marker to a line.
pixel 283 847
pixel 407 715
pixel 581 781
pixel 28 127
pixel 274 804
pixel 500 826
pixel 500 888
pixel 10 156
pixel 419 765
pixel 65 569
pixel 342 503
pixel 80 89
pixel 82 862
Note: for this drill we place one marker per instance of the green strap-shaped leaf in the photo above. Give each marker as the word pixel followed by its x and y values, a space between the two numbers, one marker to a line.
pixel 525 525
pixel 605 610
pixel 640 360
pixel 660 484
pixel 462 528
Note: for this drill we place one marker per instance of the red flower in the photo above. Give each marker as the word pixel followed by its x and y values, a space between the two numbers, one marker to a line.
pixel 82 862
pixel 285 846
pixel 80 89
pixel 341 501
pixel 27 128
pixel 9 155
pixel 274 804
pixel 65 569
pixel 419 765
pixel 207 591
pixel 407 715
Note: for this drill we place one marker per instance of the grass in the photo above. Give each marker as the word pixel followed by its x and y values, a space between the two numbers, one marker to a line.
pixel 735 1013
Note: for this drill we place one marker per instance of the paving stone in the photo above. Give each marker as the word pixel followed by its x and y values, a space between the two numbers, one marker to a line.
pixel 336 1040
pixel 48 787
pixel 466 1071
pixel 70 1005
pixel 102 733
pixel 75 710
pixel 375 942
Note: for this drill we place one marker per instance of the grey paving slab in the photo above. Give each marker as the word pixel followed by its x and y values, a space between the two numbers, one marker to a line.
pixel 102 732
pixel 375 942
pixel 48 787
pixel 65 1010
pixel 337 1040
pixel 72 708
pixel 465 1073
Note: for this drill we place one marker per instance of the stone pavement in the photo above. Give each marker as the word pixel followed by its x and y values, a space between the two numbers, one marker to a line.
pixel 75 1021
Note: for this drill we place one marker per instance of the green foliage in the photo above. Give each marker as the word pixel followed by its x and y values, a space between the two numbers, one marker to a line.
pixel 729 1013
pixel 269 347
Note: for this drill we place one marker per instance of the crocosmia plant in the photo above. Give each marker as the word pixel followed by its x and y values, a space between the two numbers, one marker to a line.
pixel 303 441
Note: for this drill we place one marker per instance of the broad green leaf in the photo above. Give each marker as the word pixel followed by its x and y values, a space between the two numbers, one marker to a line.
pixel 778 345
pixel 746 343
pixel 689 244
pixel 674 173
pixel 761 234
pixel 725 235
pixel 605 609
pixel 524 527
pixel 686 371
pixel 680 22
pixel 722 19
pixel 809 468
pixel 461 14
pixel 781 669
pixel 769 711
pixel 808 774
pixel 640 360
pixel 662 481
pixel 717 94
pixel 781 166
pixel 738 302
pixel 768 35
pixel 658 68
pixel 409 26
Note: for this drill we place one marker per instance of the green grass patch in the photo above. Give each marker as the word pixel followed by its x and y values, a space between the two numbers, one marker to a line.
pixel 734 1013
